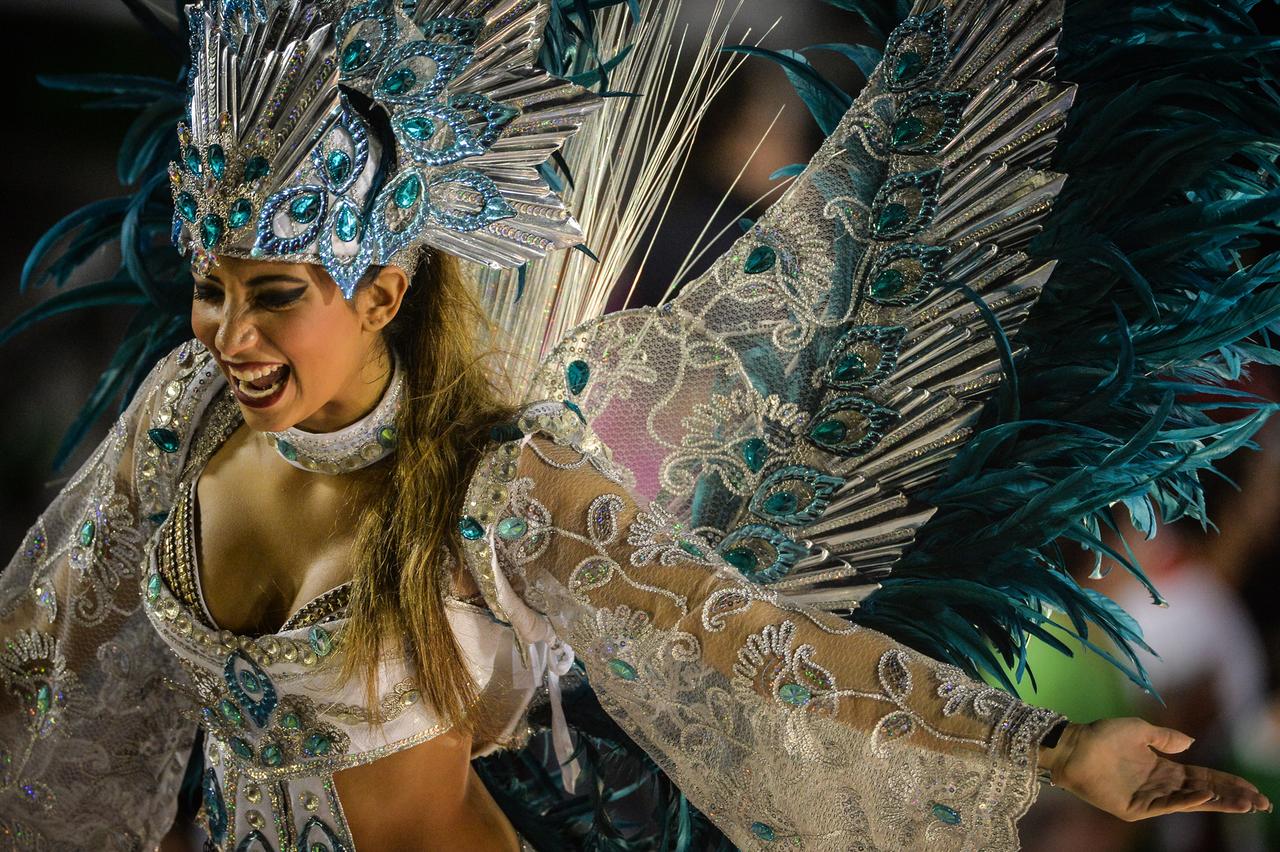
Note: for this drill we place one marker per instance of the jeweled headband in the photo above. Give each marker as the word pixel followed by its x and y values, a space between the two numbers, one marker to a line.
pixel 349 135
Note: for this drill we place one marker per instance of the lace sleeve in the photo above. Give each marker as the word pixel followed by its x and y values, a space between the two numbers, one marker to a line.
pixel 92 747
pixel 786 725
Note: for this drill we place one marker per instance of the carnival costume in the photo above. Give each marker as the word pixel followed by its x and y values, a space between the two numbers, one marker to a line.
pixel 707 506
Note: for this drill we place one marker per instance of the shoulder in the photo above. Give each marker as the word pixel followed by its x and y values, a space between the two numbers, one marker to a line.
pixel 543 462
pixel 547 440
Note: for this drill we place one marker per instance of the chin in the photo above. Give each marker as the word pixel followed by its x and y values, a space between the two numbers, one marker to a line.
pixel 260 422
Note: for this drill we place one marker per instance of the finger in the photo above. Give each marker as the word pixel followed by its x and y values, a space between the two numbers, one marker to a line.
pixel 1168 740
pixel 1215 778
pixel 1230 804
pixel 1231 795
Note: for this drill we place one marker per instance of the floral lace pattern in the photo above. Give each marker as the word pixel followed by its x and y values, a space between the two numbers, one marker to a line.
pixel 92 743
pixel 786 725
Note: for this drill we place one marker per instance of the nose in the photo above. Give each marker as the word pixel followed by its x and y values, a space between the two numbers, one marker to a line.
pixel 236 331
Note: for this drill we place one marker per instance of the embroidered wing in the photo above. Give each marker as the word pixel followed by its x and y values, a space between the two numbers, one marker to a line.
pixel 791 403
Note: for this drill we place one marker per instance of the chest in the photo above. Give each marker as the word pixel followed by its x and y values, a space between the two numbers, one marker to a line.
pixel 268 539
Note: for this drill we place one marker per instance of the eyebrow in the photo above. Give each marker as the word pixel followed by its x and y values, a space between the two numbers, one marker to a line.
pixel 265 278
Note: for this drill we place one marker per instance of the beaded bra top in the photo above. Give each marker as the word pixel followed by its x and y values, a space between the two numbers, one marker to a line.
pixel 279 719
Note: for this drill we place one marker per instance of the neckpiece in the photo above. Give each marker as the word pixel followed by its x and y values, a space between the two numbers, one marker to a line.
pixel 366 442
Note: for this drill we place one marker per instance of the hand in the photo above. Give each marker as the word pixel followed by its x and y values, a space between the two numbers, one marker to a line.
pixel 1118 765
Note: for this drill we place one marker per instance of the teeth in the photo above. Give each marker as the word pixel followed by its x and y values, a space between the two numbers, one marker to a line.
pixel 253 375
pixel 253 393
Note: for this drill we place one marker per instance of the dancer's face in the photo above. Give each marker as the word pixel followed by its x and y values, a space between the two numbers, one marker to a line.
pixel 295 352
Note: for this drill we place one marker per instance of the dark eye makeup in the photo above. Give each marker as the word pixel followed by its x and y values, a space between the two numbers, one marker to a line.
pixel 266 298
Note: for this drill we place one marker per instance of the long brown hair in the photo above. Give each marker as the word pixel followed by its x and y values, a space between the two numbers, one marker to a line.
pixel 406 543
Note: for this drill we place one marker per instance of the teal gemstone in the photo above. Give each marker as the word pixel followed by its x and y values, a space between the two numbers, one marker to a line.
pixel 338 165
pixel 781 503
pixel 622 669
pixel 764 832
pixel 692 549
pixel 470 528
pixel 907 129
pixel 754 453
pixel 888 283
pixel 794 694
pixel 211 230
pixel 348 226
pixel 320 640
pixel 166 439
pixel 286 449
pixel 158 517
pixel 946 814
pixel 892 216
pixel 576 375
pixel 830 431
pixel 356 55
pixel 256 169
pixel 908 65
pixel 305 208
pixel 742 558
pixel 272 755
pixel 400 81
pixel 240 214
pixel 419 128
pixel 408 193
pixel 505 432
pixel 760 260
pixel 316 745
pixel 250 681
pixel 512 528
pixel 187 207
pixel 230 712
pixel 850 368
pixel 241 748
pixel 387 436
pixel 44 699
pixel 192 158
pixel 572 406
pixel 87 531
pixel 290 721
pixel 217 159
pixel 153 588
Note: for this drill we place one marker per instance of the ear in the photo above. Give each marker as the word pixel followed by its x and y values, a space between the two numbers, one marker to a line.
pixel 378 300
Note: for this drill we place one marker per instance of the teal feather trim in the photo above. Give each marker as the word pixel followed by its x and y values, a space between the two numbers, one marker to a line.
pixel 1159 298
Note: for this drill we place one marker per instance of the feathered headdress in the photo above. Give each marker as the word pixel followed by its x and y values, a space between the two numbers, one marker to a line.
pixel 352 134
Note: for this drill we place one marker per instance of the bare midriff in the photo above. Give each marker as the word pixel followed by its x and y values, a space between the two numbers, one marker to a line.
pixel 424 799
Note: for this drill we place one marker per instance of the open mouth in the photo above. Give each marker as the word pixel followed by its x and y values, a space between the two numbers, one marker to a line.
pixel 258 387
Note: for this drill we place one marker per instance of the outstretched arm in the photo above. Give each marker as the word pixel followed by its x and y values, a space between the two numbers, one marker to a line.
pixel 781 722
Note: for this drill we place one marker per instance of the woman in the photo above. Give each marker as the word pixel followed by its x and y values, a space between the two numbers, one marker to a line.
pixel 357 563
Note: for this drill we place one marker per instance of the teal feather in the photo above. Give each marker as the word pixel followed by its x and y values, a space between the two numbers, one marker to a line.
pixel 826 101
pixel 100 294
pixel 1152 306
